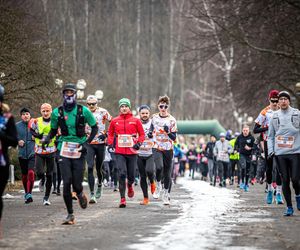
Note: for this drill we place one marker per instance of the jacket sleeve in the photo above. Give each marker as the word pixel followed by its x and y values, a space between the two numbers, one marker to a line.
pixel 258 129
pixel 140 131
pixel 111 133
pixel 9 135
pixel 271 138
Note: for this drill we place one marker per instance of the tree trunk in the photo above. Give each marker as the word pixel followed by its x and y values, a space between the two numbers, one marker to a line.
pixel 137 54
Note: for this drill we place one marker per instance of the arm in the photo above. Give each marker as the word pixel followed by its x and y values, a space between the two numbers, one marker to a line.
pixel 111 133
pixel 140 131
pixel 9 135
pixel 271 138
pixel 93 133
pixel 258 129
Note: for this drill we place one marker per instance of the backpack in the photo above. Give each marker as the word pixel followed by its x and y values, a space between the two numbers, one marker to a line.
pixel 80 122
pixel 295 119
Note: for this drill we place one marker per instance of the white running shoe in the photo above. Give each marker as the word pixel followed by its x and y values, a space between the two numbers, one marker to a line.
pixel 165 197
pixel 46 202
pixel 156 194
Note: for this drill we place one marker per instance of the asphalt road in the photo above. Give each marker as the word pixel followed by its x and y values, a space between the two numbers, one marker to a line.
pixel 234 220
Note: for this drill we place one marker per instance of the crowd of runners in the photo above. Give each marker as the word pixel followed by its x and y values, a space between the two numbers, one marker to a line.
pixel 126 150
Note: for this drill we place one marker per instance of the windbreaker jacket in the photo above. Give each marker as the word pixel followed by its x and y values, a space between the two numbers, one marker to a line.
pixel 125 125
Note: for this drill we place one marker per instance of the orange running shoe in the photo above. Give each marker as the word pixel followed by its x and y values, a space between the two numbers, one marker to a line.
pixel 153 187
pixel 145 201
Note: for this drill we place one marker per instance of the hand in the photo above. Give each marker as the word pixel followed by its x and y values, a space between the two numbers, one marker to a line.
pixel 235 151
pixel 45 142
pixel 21 143
pixel 137 146
pixel 39 136
pixel 166 129
pixel 102 137
pixel 270 156
pixel 83 148
pixel 110 149
pixel 247 147
pixel 150 135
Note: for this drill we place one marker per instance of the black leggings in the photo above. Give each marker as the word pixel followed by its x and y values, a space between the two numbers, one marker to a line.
pixel 222 170
pixel 4 173
pixel 126 165
pixel 40 162
pixel 288 166
pixel 146 169
pixel 57 175
pixel 72 174
pixel 163 164
pixel 269 168
pixel 192 168
pixel 245 164
pixel 95 151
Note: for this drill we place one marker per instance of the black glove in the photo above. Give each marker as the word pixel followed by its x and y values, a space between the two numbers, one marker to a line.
pixel 270 156
pixel 166 129
pixel 84 147
pixel 137 146
pixel 102 137
pixel 150 134
pixel 110 149
pixel 39 136
pixel 45 142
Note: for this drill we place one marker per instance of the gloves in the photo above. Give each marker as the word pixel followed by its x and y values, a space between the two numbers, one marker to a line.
pixel 150 134
pixel 137 146
pixel 110 149
pixel 102 137
pixel 83 149
pixel 45 142
pixel 166 129
pixel 39 136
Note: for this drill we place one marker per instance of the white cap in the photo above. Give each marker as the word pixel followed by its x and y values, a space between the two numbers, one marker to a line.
pixel 91 98
pixel 222 134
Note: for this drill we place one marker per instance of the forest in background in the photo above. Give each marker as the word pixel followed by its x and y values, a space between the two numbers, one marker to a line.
pixel 213 58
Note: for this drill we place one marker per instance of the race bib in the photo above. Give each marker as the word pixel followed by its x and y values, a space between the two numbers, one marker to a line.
pixel 223 156
pixel 125 141
pixel 147 145
pixel 285 141
pixel 70 150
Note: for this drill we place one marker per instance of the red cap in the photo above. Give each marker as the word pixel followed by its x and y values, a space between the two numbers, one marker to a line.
pixel 273 94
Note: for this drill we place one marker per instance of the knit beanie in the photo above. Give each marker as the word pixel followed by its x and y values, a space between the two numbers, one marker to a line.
pixel 125 101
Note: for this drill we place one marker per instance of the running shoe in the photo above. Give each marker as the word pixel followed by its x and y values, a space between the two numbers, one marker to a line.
pixel 145 201
pixel 153 187
pixel 46 202
pixel 242 186
pixel 58 192
pixel 93 199
pixel 156 194
pixel 246 188
pixel 298 202
pixel 253 181
pixel 41 186
pixel 136 181
pixel 130 192
pixel 122 203
pixel 289 211
pixel 28 198
pixel 74 196
pixel 278 199
pixel 269 197
pixel 54 191
pixel 165 197
pixel 105 183
pixel 70 220
pixel 82 199
pixel 99 192
pixel 116 189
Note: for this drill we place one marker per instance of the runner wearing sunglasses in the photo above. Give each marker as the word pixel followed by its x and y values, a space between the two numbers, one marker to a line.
pixel 125 137
pixel 262 126
pixel 96 149
pixel 164 134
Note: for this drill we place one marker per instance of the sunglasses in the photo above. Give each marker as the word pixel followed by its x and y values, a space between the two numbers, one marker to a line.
pixel 274 100
pixel 91 104
pixel 163 106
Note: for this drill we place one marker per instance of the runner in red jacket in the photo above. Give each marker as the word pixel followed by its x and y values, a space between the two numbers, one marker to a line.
pixel 125 136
